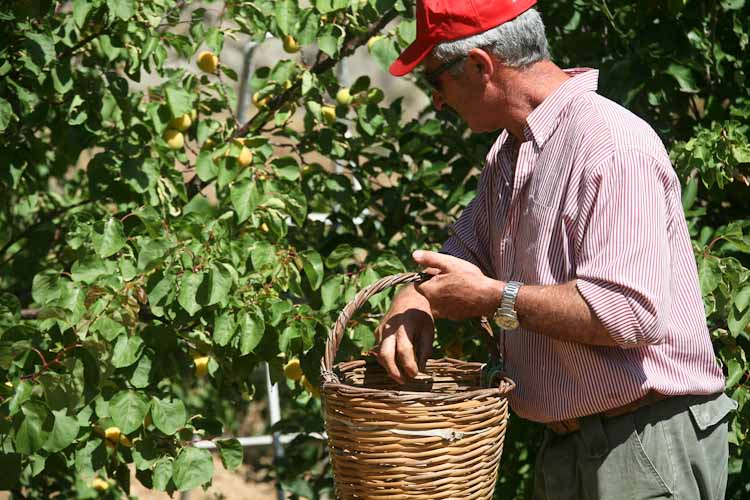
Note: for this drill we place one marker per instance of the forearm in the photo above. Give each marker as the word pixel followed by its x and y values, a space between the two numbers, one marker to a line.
pixel 560 312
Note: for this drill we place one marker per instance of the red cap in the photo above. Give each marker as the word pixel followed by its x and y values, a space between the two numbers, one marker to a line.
pixel 447 20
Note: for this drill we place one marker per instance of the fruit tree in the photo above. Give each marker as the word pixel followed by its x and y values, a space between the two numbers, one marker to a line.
pixel 154 249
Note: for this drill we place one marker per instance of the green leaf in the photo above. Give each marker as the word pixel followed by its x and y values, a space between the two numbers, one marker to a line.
pixel 689 194
pixel 290 333
pixel 88 269
pixel 163 470
pixel 10 350
pixel 709 274
pixel 128 409
pixel 168 416
pixel 64 432
pixel 313 267
pixel 331 39
pixel 189 286
pixel 325 6
pixel 245 198
pixel 33 431
pixel 286 13
pixel 220 280
pixel 308 27
pixel 684 77
pixel 124 9
pixel 6 114
pixel 205 166
pixel 742 299
pixel 180 101
pixel 384 51
pixel 108 328
pixel 224 329
pixel 81 9
pixel 46 287
pixel 331 292
pixel 251 326
pixel 41 47
pixel 296 206
pixel 127 351
pixel 108 237
pixel 231 453
pixel 192 468
pixel 735 372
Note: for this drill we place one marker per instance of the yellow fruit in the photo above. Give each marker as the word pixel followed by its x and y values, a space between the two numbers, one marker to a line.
pixel 372 42
pixel 287 84
pixel 112 434
pixel 201 366
pixel 264 227
pixel 125 441
pixel 245 157
pixel 259 103
pixel 290 44
pixel 329 113
pixel 309 387
pixel 99 484
pixel 9 384
pixel 208 61
pixel 193 114
pixel 293 370
pixel 174 138
pixel 181 123
pixel 344 97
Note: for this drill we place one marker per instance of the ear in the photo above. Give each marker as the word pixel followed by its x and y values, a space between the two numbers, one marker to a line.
pixel 481 64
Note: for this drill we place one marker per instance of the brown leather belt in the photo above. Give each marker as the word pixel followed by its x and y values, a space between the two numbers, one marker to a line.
pixel 573 424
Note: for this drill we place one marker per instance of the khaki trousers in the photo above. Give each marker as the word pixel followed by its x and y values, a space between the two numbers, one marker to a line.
pixel 675 448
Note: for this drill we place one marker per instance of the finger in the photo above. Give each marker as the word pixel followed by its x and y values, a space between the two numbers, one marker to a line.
pixel 405 354
pixel 424 347
pixel 432 270
pixel 434 259
pixel 386 356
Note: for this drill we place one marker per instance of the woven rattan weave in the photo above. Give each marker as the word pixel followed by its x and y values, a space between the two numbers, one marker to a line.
pixel 439 436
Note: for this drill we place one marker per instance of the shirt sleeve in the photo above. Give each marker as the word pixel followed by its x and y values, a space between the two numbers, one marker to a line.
pixel 622 247
pixel 465 240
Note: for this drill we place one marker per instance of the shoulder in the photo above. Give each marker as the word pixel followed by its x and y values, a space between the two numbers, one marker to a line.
pixel 614 138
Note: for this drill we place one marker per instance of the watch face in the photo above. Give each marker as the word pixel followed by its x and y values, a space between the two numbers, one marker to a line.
pixel 507 322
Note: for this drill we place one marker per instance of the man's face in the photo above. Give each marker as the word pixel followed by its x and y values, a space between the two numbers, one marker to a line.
pixel 465 93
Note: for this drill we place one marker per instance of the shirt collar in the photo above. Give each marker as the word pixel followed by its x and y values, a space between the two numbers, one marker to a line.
pixel 543 121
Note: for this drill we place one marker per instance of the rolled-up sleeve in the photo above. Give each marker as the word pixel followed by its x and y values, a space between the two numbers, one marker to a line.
pixel 622 247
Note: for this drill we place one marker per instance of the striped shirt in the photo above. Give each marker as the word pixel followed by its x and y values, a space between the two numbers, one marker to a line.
pixel 592 198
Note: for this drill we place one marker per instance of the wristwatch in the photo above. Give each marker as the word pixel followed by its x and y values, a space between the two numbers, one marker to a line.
pixel 506 316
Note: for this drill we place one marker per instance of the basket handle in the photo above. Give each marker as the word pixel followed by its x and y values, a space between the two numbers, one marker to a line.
pixel 337 332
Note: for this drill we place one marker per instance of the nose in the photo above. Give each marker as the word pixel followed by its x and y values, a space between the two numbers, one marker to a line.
pixel 437 100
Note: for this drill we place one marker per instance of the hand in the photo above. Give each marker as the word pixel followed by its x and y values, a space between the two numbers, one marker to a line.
pixel 458 290
pixel 408 327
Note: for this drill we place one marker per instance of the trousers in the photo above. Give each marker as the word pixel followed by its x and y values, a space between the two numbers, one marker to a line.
pixel 675 448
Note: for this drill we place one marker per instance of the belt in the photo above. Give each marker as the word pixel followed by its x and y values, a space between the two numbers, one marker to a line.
pixel 573 424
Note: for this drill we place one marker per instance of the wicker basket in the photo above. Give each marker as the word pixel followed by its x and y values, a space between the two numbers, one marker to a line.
pixel 439 436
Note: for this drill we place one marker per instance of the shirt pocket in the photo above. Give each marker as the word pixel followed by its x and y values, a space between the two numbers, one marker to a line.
pixel 534 241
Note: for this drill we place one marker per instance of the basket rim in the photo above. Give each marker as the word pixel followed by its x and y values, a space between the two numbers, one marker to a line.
pixel 506 386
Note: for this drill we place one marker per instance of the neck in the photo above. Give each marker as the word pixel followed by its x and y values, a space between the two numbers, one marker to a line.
pixel 525 89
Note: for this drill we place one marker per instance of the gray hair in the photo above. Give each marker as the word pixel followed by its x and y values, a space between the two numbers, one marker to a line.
pixel 517 43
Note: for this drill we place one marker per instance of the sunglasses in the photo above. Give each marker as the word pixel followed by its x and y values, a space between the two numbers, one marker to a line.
pixel 433 77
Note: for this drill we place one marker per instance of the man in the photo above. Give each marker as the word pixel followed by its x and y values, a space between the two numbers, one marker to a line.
pixel 576 242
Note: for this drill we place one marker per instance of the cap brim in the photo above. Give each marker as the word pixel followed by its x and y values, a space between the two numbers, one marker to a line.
pixel 411 57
